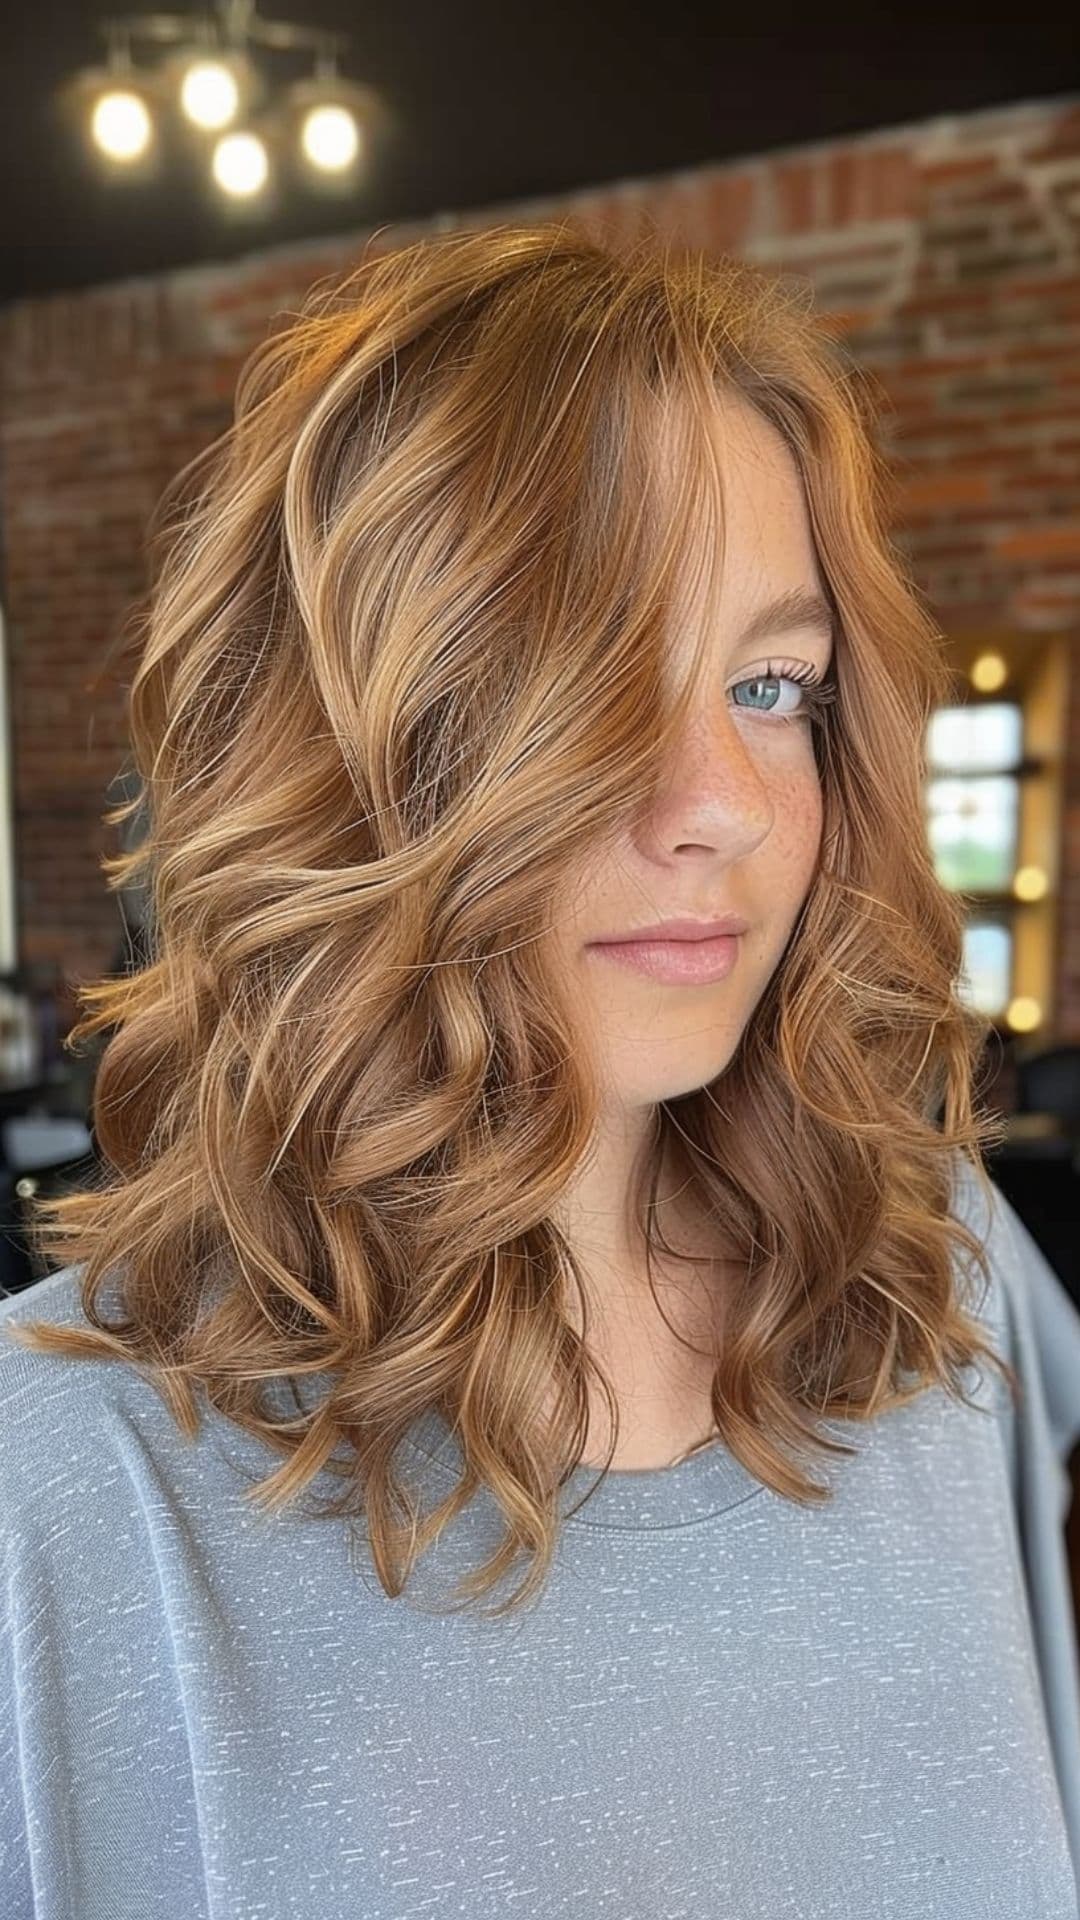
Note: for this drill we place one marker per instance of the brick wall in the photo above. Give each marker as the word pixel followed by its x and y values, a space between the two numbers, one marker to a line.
pixel 945 252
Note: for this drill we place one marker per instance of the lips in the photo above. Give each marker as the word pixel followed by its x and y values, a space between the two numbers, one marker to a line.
pixel 727 924
pixel 686 963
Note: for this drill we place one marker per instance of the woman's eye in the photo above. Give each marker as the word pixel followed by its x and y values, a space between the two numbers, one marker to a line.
pixel 766 694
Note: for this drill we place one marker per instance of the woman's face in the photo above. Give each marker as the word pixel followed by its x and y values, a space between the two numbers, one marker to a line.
pixel 737 825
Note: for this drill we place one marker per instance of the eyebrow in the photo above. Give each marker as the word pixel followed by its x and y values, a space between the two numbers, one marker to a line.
pixel 797 608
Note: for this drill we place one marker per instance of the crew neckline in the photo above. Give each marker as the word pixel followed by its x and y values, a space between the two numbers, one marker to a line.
pixel 701 1485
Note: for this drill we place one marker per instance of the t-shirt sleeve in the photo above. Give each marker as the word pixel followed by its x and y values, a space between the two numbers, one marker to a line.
pixel 1043 1327
pixel 18 1571
pixel 16 1886
pixel 16 1883
pixel 1041 1339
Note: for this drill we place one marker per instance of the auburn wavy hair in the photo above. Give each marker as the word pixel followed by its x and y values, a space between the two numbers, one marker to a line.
pixel 402 663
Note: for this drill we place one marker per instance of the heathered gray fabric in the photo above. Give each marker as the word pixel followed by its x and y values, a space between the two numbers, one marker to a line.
pixel 723 1706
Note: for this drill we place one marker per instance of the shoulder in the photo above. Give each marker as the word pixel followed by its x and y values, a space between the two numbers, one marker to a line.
pixel 52 1405
pixel 58 1300
pixel 58 1295
pixel 1014 1262
pixel 1027 1305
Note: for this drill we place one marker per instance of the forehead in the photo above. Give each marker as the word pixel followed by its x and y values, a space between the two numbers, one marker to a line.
pixel 753 493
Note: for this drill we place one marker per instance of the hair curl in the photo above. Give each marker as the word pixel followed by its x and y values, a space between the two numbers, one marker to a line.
pixel 401 664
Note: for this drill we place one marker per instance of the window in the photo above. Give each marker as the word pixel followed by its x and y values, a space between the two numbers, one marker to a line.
pixel 974 804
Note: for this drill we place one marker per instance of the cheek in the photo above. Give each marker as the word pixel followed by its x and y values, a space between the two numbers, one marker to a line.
pixel 798 817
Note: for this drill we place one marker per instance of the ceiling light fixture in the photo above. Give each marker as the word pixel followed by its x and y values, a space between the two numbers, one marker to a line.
pixel 212 82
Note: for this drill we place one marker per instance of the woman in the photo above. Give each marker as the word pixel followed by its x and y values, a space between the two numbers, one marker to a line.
pixel 537 596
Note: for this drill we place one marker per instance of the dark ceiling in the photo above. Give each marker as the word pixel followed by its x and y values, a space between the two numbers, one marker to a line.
pixel 488 103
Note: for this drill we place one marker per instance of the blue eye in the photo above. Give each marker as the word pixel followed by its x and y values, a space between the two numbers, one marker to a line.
pixel 816 694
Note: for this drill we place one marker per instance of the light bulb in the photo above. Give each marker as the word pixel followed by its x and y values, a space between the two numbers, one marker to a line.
pixel 329 137
pixel 209 94
pixel 989 672
pixel 120 124
pixel 240 164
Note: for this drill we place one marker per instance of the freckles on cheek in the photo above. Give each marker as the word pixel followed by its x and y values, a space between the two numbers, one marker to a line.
pixel 798 816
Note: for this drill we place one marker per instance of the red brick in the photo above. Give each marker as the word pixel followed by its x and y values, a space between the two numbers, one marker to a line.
pixel 946 489
pixel 1067 352
pixel 726 207
pixel 794 184
pixel 1044 286
pixel 842 183
pixel 889 182
pixel 1062 142
pixel 951 173
pixel 944 363
pixel 1041 543
pixel 948 298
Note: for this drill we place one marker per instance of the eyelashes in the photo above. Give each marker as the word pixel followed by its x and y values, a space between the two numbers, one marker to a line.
pixel 818 695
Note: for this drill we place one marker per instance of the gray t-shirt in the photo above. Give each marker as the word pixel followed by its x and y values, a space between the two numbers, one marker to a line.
pixel 722 1705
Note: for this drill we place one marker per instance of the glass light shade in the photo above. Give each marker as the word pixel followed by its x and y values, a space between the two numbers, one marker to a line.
pixel 209 94
pixel 330 137
pixel 120 124
pixel 240 164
